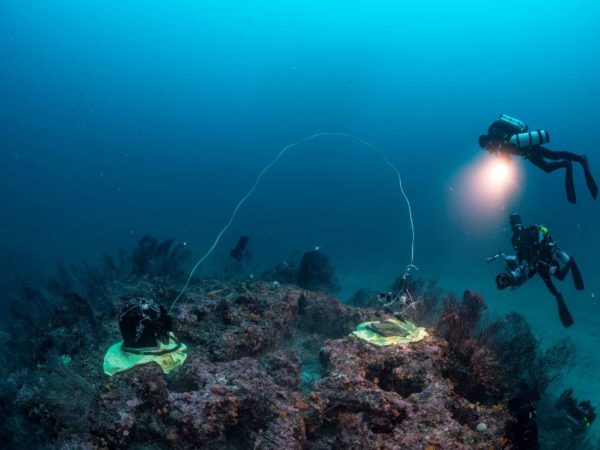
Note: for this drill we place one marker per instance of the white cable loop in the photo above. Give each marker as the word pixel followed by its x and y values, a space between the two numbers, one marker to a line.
pixel 409 266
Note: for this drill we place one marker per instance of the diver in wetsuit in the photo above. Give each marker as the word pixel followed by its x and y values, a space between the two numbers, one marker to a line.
pixel 509 136
pixel 536 252
pixel 579 415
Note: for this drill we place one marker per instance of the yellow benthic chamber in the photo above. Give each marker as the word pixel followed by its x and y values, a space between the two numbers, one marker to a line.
pixel 169 357
pixel 389 332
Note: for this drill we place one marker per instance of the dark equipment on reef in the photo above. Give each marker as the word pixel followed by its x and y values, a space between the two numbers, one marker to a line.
pixel 522 431
pixel 238 251
pixel 403 300
pixel 147 338
pixel 579 415
pixel 537 253
pixel 144 325
pixel 387 329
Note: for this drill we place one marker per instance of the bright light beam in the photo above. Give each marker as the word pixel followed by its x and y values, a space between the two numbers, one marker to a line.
pixel 492 178
pixel 482 191
pixel 499 173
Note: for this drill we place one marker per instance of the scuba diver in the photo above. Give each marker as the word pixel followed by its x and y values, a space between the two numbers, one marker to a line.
pixel 579 415
pixel 536 252
pixel 509 136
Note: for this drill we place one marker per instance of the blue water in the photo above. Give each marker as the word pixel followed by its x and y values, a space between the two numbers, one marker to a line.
pixel 123 118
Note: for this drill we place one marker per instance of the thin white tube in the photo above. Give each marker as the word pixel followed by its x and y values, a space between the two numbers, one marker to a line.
pixel 271 164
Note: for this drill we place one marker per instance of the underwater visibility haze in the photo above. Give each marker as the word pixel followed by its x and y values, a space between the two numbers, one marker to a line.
pixel 126 124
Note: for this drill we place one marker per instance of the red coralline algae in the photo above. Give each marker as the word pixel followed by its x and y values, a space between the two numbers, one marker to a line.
pixel 240 385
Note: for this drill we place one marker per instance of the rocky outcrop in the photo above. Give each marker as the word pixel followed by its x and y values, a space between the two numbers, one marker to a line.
pixel 241 387
pixel 397 397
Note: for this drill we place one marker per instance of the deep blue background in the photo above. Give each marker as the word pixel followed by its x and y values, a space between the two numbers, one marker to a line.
pixel 123 118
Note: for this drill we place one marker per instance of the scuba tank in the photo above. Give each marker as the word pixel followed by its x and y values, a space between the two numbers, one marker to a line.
pixel 512 122
pixel 530 139
pixel 504 127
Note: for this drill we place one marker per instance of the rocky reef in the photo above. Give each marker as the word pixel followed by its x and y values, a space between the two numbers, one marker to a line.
pixel 240 387
pixel 269 366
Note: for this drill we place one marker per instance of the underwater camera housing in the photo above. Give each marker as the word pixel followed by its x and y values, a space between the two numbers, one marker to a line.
pixel 522 431
pixel 144 325
pixel 511 278
pixel 514 275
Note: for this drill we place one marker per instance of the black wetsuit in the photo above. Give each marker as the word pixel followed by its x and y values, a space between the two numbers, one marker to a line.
pixel 579 415
pixel 499 134
pixel 535 247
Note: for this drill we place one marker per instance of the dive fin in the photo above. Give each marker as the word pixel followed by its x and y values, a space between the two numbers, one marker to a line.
pixel 577 278
pixel 563 311
pixel 570 186
pixel 589 179
pixel 591 183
